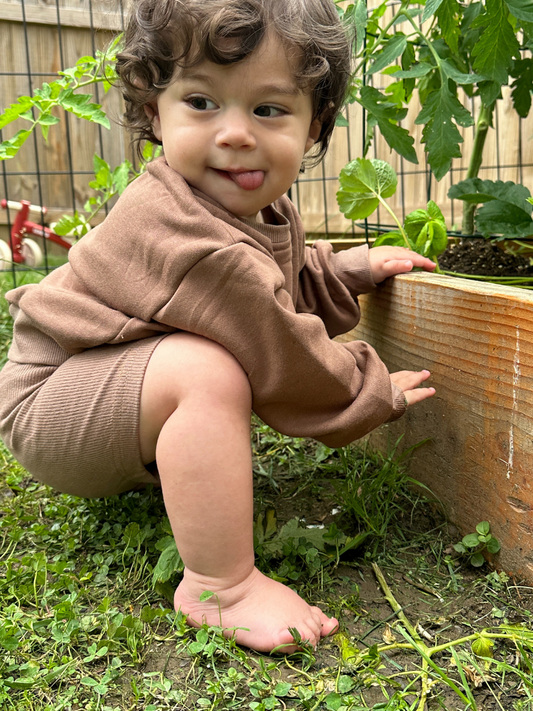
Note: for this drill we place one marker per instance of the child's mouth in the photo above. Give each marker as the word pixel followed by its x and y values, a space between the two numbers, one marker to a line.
pixel 247 180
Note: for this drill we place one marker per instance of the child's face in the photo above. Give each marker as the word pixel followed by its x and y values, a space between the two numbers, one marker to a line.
pixel 237 132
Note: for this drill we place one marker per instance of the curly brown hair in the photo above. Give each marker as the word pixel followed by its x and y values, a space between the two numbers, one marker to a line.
pixel 164 33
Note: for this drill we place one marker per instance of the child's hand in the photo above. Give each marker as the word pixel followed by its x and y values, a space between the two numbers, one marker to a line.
pixel 408 381
pixel 388 261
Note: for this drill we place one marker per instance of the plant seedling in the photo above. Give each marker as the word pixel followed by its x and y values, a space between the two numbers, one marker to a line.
pixel 365 184
pixel 474 544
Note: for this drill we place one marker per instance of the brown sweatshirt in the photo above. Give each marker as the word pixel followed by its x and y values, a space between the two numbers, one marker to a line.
pixel 169 258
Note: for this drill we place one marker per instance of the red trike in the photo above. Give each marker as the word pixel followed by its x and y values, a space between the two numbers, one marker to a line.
pixel 21 249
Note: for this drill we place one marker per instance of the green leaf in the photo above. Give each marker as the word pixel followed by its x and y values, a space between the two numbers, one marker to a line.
pixel 356 541
pixel 362 183
pixel 441 136
pixel 521 9
pixel 497 44
pixel 390 51
pixel 69 224
pixel 13 112
pixel 489 92
pixel 471 540
pixel 9 637
pixel 206 595
pixel 360 19
pixel 47 120
pixel 82 107
pixel 282 688
pixel 483 528
pixel 493 546
pixel 169 563
pixel 393 238
pixel 522 86
pixel 459 548
pixel 415 72
pixel 477 560
pixel 293 531
pixel 11 147
pixel 507 211
pixel 386 114
pixel 341 121
pixel 459 77
pixel 449 16
pixel 333 701
pixel 503 218
pixel 426 230
pixel 431 8
pixel 475 190
pixel 345 684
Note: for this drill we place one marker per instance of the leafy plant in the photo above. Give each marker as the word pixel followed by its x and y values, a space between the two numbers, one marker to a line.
pixel 363 186
pixel 505 213
pixel 475 544
pixel 64 93
pixel 41 109
pixel 107 184
pixel 440 53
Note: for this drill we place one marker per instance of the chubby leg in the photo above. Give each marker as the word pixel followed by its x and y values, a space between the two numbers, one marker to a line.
pixel 195 422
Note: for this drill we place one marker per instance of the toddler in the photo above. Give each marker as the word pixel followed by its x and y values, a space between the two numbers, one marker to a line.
pixel 196 301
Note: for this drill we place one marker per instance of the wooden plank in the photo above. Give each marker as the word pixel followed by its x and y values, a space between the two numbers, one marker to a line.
pixel 477 341
pixel 69 17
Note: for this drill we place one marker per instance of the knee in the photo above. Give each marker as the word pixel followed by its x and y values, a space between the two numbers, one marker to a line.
pixel 193 367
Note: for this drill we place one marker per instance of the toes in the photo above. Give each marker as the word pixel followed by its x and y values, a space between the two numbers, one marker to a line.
pixel 329 626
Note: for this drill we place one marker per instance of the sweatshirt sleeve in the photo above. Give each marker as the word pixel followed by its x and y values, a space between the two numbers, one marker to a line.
pixel 329 284
pixel 303 383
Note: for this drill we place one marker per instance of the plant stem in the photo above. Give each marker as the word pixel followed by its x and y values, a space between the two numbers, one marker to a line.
pixel 483 124
pixel 394 603
pixel 391 213
pixel 427 42
pixel 520 282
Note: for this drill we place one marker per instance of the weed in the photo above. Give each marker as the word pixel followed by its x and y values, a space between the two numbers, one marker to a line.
pixel 475 544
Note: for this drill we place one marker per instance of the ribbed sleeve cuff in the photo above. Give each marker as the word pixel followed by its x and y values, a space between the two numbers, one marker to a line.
pixel 352 267
pixel 399 403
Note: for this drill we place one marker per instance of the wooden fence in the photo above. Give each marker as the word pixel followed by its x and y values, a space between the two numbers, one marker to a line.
pixel 40 38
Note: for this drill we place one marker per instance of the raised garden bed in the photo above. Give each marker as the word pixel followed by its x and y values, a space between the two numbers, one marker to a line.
pixel 477 340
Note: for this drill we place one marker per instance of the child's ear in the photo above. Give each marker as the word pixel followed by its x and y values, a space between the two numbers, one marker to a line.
pixel 314 133
pixel 152 112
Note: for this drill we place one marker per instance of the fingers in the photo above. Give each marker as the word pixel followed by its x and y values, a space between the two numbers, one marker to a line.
pixel 387 261
pixel 414 396
pixel 396 266
pixel 403 255
pixel 409 381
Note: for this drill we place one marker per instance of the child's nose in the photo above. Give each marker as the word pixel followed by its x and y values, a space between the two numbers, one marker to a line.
pixel 236 131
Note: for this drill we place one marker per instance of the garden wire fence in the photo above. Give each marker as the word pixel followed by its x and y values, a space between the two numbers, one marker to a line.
pixel 39 41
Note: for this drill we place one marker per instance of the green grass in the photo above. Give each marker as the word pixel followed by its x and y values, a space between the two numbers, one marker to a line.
pixel 6 323
pixel 86 620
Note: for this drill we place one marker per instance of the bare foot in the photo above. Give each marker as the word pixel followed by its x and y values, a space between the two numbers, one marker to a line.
pixel 261 608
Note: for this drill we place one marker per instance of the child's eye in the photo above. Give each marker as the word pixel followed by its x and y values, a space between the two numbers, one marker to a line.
pixel 200 103
pixel 269 111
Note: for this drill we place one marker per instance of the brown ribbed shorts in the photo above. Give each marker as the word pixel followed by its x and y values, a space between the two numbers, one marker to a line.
pixel 76 427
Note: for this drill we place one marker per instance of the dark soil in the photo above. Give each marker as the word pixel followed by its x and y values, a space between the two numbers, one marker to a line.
pixel 484 258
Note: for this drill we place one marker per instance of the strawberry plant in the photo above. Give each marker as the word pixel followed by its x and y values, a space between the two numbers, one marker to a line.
pixel 364 185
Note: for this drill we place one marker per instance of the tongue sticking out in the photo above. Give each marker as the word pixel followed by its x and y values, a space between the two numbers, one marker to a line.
pixel 250 180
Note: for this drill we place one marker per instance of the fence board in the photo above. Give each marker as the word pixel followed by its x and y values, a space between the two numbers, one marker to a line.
pixel 508 151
